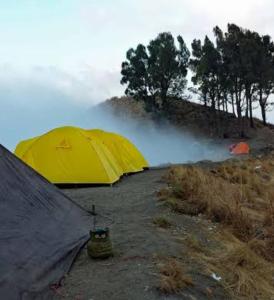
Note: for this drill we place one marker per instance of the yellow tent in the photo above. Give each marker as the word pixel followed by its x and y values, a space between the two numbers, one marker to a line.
pixel 23 146
pixel 136 155
pixel 74 155
pixel 67 155
pixel 127 155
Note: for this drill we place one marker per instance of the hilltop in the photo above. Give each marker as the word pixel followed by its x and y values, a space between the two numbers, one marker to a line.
pixel 196 119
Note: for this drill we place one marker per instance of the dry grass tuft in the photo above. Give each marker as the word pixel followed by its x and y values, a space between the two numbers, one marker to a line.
pixel 194 244
pixel 173 277
pixel 263 248
pixel 163 193
pixel 162 222
pixel 244 273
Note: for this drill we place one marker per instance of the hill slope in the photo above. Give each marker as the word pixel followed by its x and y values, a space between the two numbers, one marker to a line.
pixel 197 119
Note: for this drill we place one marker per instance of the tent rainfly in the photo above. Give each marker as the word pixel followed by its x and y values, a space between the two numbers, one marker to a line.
pixel 240 148
pixel 41 231
pixel 125 153
pixel 71 155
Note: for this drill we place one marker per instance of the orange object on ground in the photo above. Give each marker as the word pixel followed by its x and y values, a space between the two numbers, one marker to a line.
pixel 240 148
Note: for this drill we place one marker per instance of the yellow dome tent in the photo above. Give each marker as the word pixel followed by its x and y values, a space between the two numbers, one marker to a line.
pixel 71 155
pixel 127 155
pixel 136 155
pixel 23 146
pixel 67 155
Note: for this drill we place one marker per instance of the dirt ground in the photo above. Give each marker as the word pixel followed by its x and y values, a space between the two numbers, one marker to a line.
pixel 129 208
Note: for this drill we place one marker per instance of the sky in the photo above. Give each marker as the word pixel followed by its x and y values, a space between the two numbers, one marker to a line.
pixel 59 57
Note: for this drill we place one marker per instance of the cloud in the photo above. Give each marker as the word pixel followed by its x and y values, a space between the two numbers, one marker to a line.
pixel 86 86
pixel 189 17
pixel 35 98
pixel 39 99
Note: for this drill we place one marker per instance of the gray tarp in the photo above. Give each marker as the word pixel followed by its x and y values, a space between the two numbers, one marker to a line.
pixel 41 231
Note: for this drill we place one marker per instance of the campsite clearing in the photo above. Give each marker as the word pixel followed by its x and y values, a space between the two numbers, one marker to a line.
pixel 141 247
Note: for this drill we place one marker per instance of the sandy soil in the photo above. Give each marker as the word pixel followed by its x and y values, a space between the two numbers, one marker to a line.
pixel 132 274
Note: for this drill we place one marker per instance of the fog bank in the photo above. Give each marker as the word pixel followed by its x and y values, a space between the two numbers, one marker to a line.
pixel 36 102
pixel 160 143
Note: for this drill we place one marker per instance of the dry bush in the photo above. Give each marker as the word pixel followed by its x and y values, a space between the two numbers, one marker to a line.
pixel 173 278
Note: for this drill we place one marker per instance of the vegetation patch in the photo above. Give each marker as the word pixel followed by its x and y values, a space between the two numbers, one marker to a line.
pixel 241 271
pixel 238 196
pixel 162 222
pixel 173 277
